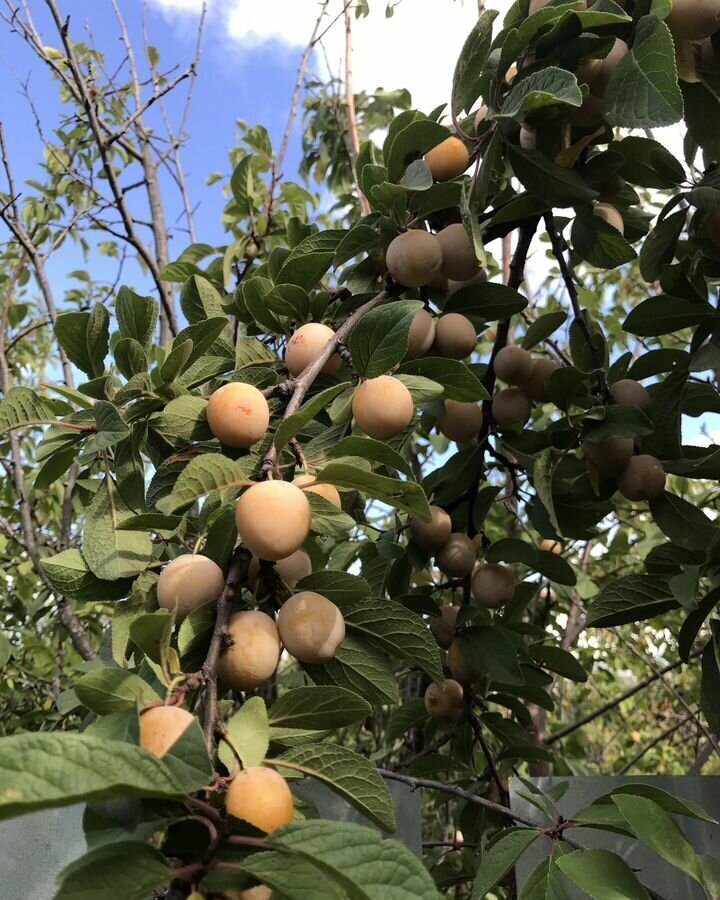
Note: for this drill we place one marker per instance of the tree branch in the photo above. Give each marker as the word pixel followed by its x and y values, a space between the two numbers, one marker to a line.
pixel 354 149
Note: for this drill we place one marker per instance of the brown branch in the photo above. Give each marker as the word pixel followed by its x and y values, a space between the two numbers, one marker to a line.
pixel 365 207
pixel 663 736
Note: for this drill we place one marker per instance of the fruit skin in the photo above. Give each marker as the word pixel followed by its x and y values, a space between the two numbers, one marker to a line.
pixel 694 20
pixel 306 344
pixel 327 491
pixel 627 392
pixel 414 258
pixel 433 535
pixel 273 519
pixel 289 570
pixel 448 160
pixel 591 113
pixel 461 422
pixel 608 213
pixel 238 414
pixel 550 546
pixel 588 70
pixel 534 387
pixel 382 407
pixel 454 286
pixel 643 478
pixel 528 137
pixel 457 557
pixel 162 726
pixel 253 655
pixel 511 407
pixel 444 704
pixel 609 457
pixel 189 580
pixel 455 336
pixel 459 667
pixel 458 255
pixel 513 365
pixel 311 627
pixel 261 797
pixel 619 51
pixel 481 115
pixel 421 335
pixel 443 626
pixel 492 585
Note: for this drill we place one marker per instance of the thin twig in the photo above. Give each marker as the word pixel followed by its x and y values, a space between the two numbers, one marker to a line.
pixel 365 207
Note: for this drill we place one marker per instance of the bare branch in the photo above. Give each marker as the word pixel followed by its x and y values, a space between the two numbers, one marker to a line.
pixel 354 150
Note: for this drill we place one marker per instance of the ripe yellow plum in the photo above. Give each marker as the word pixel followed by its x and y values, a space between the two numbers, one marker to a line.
pixel 643 478
pixel 273 519
pixel 455 336
pixel 327 491
pixel 305 346
pixel 311 627
pixel 432 535
pixel 459 261
pixel 414 258
pixel 238 414
pixel 444 703
pixel 421 334
pixel 162 726
pixel 443 626
pixel 189 581
pixel 260 796
pixel 492 585
pixel 457 557
pixel 382 407
pixel 511 407
pixel 448 160
pixel 253 652
pixel 513 365
pixel 461 422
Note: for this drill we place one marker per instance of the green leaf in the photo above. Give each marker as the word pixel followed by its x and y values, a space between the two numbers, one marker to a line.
pixel 21 407
pixel 685 524
pixel 137 316
pixel 152 633
pixel 554 184
pixel 358 667
pixel 368 867
pixel 306 264
pixel 542 328
pixel 411 142
pixel 359 239
pixel 546 91
pixel 665 315
pixel 471 62
pixel 643 90
pixel 111 428
pixel 123 870
pixel 488 651
pixel 291 426
pixel 598 242
pixel 513 550
pixel 106 691
pixel 98 337
pixel 248 734
pixel 403 495
pixel 560 661
pixel 130 358
pixel 350 775
pixel 327 519
pixel 48 769
pixel 648 163
pixel 620 421
pixel 204 474
pixel 291 878
pixel 486 301
pixel 71 331
pixel 633 598
pixel 185 418
pixel 318 707
pixel 113 554
pixel 368 448
pixel 336 586
pixel 380 340
pixel 659 248
pixel 500 857
pixel 458 380
pixel 71 577
pixel 602 875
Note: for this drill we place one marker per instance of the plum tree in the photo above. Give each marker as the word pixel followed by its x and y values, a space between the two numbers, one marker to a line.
pixel 459 261
pixel 238 414
pixel 461 421
pixel 289 570
pixel 434 534
pixel 511 407
pixel 273 519
pixel 448 159
pixel 627 392
pixel 311 627
pixel 492 585
pixel 444 703
pixel 421 334
pixel 414 258
pixel 513 365
pixel 457 556
pixel 252 652
pixel 327 491
pixel 189 581
pixel 693 20
pixel 260 796
pixel 444 625
pixel 382 407
pixel 535 388
pixel 610 214
pixel 306 344
pixel 455 336
pixel 162 726
pixel 610 456
pixel 643 478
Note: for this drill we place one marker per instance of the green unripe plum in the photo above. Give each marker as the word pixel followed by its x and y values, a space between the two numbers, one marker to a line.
pixel 461 422
pixel 382 407
pixel 455 336
pixel 289 570
pixel 511 407
pixel 238 414
pixel 513 365
pixel 260 796
pixel 414 258
pixel 643 478
pixel 694 20
pixel 627 392
pixel 445 704
pixel 189 581
pixel 443 626
pixel 610 214
pixel 433 535
pixel 608 65
pixel 305 346
pixel 162 726
pixel 448 160
pixel 536 386
pixel 610 456
pixel 459 261
pixel 421 335
pixel 311 627
pixel 273 519
pixel 457 557
pixel 492 585
pixel 253 652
